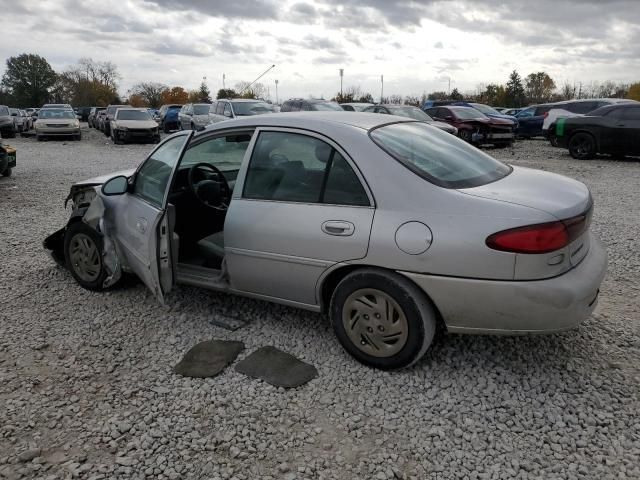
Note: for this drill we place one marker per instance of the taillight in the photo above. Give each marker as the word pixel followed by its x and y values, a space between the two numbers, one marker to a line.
pixel 545 114
pixel 540 238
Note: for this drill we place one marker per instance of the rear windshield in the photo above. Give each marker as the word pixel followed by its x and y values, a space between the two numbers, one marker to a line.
pixel 326 106
pixel 410 112
pixel 438 156
pixel 467 113
pixel 251 108
pixel 132 115
pixel 200 109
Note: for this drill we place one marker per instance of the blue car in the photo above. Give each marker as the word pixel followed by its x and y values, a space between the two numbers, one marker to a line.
pixel 489 111
pixel 530 120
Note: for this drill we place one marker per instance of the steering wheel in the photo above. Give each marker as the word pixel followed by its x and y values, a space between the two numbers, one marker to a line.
pixel 216 186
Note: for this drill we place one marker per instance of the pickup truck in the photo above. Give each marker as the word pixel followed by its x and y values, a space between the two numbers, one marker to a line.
pixel 7 160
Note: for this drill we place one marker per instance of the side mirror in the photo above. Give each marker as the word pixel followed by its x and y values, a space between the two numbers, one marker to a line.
pixel 116 186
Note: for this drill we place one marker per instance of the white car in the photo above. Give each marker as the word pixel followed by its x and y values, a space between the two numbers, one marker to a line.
pixel 573 108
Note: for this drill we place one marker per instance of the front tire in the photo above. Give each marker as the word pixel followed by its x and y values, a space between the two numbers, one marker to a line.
pixel 465 135
pixel 83 255
pixel 582 146
pixel 382 319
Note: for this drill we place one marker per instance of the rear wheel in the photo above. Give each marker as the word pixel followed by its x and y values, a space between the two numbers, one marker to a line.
pixel 582 146
pixel 83 254
pixel 7 172
pixel 465 135
pixel 382 319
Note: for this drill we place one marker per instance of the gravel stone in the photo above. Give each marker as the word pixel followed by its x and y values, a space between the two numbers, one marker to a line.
pixel 562 406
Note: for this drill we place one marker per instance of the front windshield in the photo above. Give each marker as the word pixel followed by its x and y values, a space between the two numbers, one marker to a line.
pixel 467 113
pixel 486 109
pixel 327 106
pixel 410 112
pixel 201 109
pixel 438 156
pixel 56 113
pixel 132 115
pixel 243 109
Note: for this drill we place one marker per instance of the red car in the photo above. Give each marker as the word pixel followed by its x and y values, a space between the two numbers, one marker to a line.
pixel 475 127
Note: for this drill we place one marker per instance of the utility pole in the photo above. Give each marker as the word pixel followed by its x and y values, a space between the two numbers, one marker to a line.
pixel 381 87
pixel 277 102
pixel 449 92
pixel 223 77
pixel 341 74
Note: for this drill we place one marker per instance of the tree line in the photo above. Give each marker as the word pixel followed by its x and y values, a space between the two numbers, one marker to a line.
pixel 29 80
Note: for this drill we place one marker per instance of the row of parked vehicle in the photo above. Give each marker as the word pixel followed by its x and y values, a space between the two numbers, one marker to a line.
pixel 51 120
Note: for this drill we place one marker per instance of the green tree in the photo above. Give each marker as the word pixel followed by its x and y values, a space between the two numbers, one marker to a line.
pixel 634 91
pixel 514 92
pixel 29 79
pixel 456 95
pixel 204 95
pixel 438 95
pixel 539 87
pixel 226 93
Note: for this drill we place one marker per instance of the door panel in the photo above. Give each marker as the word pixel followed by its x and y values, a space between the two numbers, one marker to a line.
pixel 280 249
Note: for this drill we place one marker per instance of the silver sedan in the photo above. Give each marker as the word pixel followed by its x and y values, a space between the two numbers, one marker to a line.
pixel 388 225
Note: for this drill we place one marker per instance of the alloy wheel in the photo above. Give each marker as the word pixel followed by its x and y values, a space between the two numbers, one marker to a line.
pixel 85 257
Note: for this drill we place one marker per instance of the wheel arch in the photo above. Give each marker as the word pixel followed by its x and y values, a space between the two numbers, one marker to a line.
pixel 330 281
pixel 575 132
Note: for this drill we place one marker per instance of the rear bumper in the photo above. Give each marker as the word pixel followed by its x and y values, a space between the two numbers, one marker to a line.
pixel 518 307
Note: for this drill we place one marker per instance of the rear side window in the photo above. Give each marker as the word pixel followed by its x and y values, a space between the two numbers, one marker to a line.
pixel 292 167
pixel 630 113
pixel 437 156
pixel 582 107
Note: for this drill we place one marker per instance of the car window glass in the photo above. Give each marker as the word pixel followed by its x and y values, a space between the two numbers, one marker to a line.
pixel 582 107
pixel 343 186
pixel 220 108
pixel 437 157
pixel 306 107
pixel 152 178
pixel 227 109
pixel 630 113
pixel 225 153
pixel 528 112
pixel 348 108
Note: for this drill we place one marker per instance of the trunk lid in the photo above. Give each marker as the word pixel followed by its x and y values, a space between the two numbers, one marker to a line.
pixel 559 196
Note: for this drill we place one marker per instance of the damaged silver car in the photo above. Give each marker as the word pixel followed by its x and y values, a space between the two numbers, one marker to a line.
pixel 388 225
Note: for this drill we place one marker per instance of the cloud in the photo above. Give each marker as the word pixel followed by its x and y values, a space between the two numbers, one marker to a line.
pixel 438 45
pixel 253 9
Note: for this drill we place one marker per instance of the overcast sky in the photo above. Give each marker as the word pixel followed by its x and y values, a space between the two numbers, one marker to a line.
pixel 417 45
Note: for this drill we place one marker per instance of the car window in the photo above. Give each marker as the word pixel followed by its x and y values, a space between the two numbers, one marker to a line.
pixel 152 178
pixel 527 112
pixel 370 109
pixel 227 109
pixel 292 167
pixel 581 107
pixel 220 108
pixel 438 157
pixel 630 113
pixel 348 108
pixel 225 153
pixel 307 107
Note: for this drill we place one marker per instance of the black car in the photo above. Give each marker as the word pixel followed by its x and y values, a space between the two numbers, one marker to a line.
pixel 7 160
pixel 310 105
pixel 613 129
pixel 530 120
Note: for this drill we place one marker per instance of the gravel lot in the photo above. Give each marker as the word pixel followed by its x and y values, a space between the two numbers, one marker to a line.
pixel 87 389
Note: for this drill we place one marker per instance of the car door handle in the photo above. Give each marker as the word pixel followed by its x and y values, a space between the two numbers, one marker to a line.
pixel 338 227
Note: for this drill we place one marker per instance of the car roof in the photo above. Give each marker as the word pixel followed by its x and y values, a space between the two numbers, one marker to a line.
pixel 242 100
pixel 362 120
pixel 356 103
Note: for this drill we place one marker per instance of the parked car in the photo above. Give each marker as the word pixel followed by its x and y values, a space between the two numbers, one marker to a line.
pixel 530 120
pixel 56 122
pixel 573 108
pixel 193 116
pixel 355 107
pixel 384 226
pixel 228 109
pixel 612 129
pixel 98 122
pixel 18 120
pixel 109 114
pixel 130 124
pixel 7 160
pixel 83 113
pixel 411 112
pixel 436 103
pixel 489 111
pixel 309 104
pixel 27 121
pixel 7 124
pixel 475 127
pixel 91 119
pixel 168 117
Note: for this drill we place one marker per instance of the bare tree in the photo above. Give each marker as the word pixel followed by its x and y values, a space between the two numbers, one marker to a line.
pixel 395 99
pixel 151 92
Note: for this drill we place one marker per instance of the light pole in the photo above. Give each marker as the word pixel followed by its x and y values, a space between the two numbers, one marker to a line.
pixel 381 87
pixel 341 74
pixel 223 77
pixel 277 102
